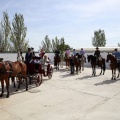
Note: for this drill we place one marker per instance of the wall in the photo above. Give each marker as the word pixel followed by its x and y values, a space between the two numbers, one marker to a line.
pixel 13 57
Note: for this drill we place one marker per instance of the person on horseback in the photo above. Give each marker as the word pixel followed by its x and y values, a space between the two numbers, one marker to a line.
pixel 117 55
pixel 82 52
pixel 41 52
pixel 97 54
pixel 74 52
pixel 67 52
pixel 57 53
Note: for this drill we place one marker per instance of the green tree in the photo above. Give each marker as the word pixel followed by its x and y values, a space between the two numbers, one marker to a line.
pixel 55 44
pixel 46 44
pixel 5 32
pixel 18 33
pixel 99 39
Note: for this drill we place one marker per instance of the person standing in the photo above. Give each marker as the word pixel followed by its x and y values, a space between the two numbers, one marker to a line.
pixel 33 52
pixel 72 64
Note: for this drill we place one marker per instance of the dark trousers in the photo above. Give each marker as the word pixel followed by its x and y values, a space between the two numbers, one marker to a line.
pixel 72 69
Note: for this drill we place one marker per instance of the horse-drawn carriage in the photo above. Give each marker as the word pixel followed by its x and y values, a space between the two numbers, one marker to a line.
pixel 38 70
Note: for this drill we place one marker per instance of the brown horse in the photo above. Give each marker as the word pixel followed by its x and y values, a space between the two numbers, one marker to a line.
pixel 101 64
pixel 66 58
pixel 113 65
pixel 12 69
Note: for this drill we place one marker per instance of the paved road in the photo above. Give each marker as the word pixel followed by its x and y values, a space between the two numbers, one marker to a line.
pixel 65 97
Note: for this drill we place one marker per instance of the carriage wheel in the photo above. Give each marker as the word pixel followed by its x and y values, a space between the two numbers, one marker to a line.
pixel 49 76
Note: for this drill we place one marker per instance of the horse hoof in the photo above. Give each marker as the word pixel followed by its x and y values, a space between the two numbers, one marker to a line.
pixel 16 89
pixel 1 95
pixel 7 96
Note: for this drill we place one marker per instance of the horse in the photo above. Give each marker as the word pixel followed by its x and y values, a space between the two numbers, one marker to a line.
pixel 9 70
pixel 83 60
pixel 57 61
pixel 66 58
pixel 101 64
pixel 113 65
pixel 77 59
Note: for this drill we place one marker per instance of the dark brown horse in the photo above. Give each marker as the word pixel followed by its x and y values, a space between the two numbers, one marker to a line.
pixel 56 61
pixel 101 63
pixel 113 65
pixel 12 69
pixel 77 59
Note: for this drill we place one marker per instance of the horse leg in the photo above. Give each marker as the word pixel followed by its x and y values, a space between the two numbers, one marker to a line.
pixel 115 74
pixel 13 81
pixel 77 69
pixel 7 87
pixel 26 83
pixel 92 70
pixel 58 65
pixel 19 81
pixel 82 65
pixel 101 69
pixel 2 84
pixel 118 72
pixel 112 75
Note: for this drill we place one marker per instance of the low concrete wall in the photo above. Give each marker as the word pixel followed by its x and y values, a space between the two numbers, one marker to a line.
pixel 13 57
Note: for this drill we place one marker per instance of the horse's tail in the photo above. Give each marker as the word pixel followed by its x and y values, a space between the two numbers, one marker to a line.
pixel 104 65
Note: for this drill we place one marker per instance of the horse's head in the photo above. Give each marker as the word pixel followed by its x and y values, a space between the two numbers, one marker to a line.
pixel 109 56
pixel 88 58
pixel 2 68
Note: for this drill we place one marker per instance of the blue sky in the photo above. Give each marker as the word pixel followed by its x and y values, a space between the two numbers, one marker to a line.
pixel 75 20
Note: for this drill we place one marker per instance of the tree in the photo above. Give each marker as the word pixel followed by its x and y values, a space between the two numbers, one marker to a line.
pixel 18 33
pixel 5 32
pixel 46 44
pixel 55 44
pixel 118 44
pixel 99 39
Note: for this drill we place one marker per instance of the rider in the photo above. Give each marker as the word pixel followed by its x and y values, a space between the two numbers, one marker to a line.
pixel 82 52
pixel 67 52
pixel 41 52
pixel 117 55
pixel 97 54
pixel 74 52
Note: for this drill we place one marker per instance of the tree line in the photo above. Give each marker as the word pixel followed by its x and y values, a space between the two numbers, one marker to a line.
pixel 13 36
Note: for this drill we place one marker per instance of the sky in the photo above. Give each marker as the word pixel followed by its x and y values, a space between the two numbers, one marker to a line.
pixel 75 20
